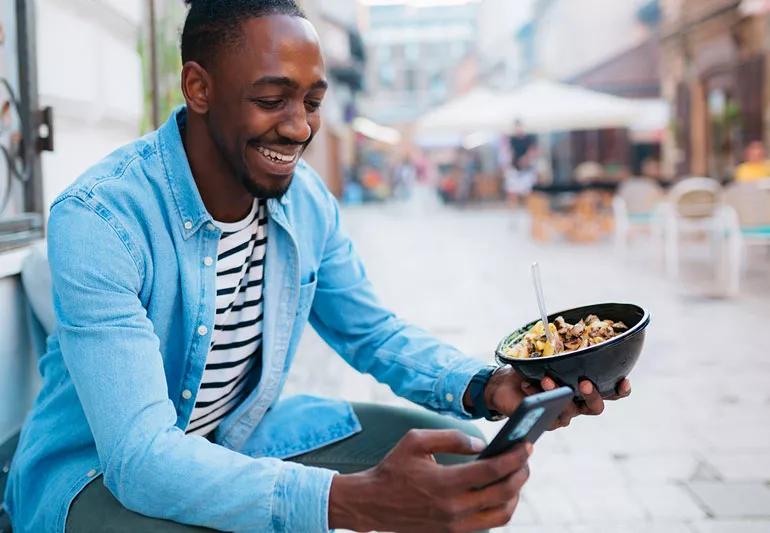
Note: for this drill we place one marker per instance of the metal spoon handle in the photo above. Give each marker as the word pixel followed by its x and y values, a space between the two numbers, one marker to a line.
pixel 541 300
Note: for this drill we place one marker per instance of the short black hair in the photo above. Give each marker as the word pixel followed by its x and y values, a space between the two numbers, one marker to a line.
pixel 212 24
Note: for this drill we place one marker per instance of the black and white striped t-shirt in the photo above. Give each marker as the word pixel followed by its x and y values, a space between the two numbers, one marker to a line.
pixel 236 342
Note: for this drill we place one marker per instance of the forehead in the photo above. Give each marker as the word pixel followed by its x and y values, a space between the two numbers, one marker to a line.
pixel 277 45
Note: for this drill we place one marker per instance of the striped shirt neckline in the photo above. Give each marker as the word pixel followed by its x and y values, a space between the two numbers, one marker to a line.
pixel 235 352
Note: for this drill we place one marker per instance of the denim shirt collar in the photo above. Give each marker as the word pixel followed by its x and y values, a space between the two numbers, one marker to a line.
pixel 191 209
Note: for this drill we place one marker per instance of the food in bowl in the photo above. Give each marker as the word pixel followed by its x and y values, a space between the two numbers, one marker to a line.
pixel 589 331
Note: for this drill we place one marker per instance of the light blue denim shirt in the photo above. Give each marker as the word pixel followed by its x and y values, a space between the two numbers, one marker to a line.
pixel 134 296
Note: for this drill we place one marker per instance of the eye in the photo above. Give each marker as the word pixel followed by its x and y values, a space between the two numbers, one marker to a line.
pixel 312 105
pixel 267 103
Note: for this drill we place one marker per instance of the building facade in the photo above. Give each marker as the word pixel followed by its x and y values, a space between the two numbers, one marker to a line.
pixel 715 57
pixel 414 52
pixel 332 152
pixel 564 38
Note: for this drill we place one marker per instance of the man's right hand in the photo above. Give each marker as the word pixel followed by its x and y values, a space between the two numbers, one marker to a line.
pixel 410 491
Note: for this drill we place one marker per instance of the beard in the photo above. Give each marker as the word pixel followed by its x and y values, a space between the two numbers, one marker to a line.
pixel 262 192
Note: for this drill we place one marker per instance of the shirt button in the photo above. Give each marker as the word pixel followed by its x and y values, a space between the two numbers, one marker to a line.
pixel 186 394
pixel 449 397
pixel 187 224
pixel 208 261
pixel 202 330
pixel 210 227
pixel 91 473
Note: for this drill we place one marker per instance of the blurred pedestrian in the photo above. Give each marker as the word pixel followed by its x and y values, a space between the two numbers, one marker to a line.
pixel 521 176
pixel 755 165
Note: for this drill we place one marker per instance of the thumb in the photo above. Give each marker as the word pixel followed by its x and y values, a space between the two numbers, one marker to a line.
pixel 430 441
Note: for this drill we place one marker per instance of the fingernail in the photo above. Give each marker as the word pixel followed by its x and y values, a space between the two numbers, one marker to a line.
pixel 477 444
pixel 586 387
pixel 528 446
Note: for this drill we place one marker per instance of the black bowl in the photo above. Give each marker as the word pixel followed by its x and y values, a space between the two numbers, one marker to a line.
pixel 604 364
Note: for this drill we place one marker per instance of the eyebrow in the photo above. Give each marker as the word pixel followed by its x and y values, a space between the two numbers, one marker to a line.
pixel 287 82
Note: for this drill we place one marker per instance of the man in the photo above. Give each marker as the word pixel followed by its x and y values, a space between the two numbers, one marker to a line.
pixel 755 166
pixel 521 146
pixel 185 267
pixel 521 176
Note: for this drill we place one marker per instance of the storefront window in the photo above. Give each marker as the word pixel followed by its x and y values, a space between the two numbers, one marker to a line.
pixel 23 133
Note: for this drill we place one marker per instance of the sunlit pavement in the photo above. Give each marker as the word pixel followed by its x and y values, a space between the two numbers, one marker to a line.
pixel 689 451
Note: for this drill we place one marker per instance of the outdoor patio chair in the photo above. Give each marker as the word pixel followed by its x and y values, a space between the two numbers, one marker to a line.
pixel 589 171
pixel 635 205
pixel 747 221
pixel 691 208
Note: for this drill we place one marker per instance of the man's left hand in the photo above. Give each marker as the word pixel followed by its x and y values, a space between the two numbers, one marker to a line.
pixel 506 389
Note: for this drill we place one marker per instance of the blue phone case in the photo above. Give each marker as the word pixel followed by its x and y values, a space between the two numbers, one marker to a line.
pixel 534 416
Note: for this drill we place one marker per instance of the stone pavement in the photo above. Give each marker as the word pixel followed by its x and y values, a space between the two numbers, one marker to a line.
pixel 688 452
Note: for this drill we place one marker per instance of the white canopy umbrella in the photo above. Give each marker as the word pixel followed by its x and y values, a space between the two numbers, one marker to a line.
pixel 461 116
pixel 544 106
pixel 541 106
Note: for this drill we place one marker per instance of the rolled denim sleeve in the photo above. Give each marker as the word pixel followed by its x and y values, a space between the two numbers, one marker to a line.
pixel 348 316
pixel 113 357
pixel 301 501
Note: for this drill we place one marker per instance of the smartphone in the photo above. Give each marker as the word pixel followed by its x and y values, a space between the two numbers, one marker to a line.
pixel 534 415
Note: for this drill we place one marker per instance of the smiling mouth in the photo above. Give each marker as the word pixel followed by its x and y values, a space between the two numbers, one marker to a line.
pixel 277 157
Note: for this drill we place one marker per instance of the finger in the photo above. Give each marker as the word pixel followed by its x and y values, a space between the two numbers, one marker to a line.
pixel 487 471
pixel 494 495
pixel 623 388
pixel 594 404
pixel 547 383
pixel 489 518
pixel 430 441
pixel 529 389
pixel 561 421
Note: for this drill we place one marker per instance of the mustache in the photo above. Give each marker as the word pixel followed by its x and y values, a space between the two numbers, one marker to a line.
pixel 278 141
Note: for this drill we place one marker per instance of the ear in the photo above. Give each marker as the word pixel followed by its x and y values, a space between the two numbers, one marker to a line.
pixel 196 87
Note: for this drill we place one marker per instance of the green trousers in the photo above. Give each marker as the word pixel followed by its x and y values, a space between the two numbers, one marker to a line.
pixel 96 510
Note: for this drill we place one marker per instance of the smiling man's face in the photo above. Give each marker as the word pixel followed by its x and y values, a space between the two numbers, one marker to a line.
pixel 263 107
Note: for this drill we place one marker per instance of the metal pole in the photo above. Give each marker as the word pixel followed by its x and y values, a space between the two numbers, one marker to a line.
pixel 153 65
pixel 28 98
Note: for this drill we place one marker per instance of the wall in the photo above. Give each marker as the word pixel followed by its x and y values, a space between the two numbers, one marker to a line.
pixel 90 72
pixel 574 36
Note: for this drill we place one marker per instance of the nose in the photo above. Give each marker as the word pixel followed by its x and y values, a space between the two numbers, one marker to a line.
pixel 294 125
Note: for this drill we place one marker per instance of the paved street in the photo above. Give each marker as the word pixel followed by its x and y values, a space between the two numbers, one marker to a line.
pixel 688 452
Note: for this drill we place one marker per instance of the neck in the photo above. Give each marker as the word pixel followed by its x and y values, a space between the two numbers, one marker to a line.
pixel 222 194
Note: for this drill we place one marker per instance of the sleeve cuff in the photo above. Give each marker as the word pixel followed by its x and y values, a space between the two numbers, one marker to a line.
pixel 451 386
pixel 301 498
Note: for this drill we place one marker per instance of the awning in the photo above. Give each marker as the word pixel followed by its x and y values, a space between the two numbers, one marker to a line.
pixel 541 106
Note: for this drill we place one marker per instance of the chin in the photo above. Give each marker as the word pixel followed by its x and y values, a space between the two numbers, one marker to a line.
pixel 275 189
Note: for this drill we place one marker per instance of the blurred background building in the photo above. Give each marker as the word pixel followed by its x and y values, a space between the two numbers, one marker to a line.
pixel 714 73
pixel 416 56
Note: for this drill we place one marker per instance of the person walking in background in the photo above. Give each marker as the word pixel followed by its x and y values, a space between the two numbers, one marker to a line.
pixel 755 165
pixel 521 176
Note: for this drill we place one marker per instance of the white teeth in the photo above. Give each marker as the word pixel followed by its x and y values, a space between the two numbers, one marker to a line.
pixel 275 155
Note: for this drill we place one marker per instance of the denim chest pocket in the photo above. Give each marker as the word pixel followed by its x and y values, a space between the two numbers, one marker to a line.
pixel 306 295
